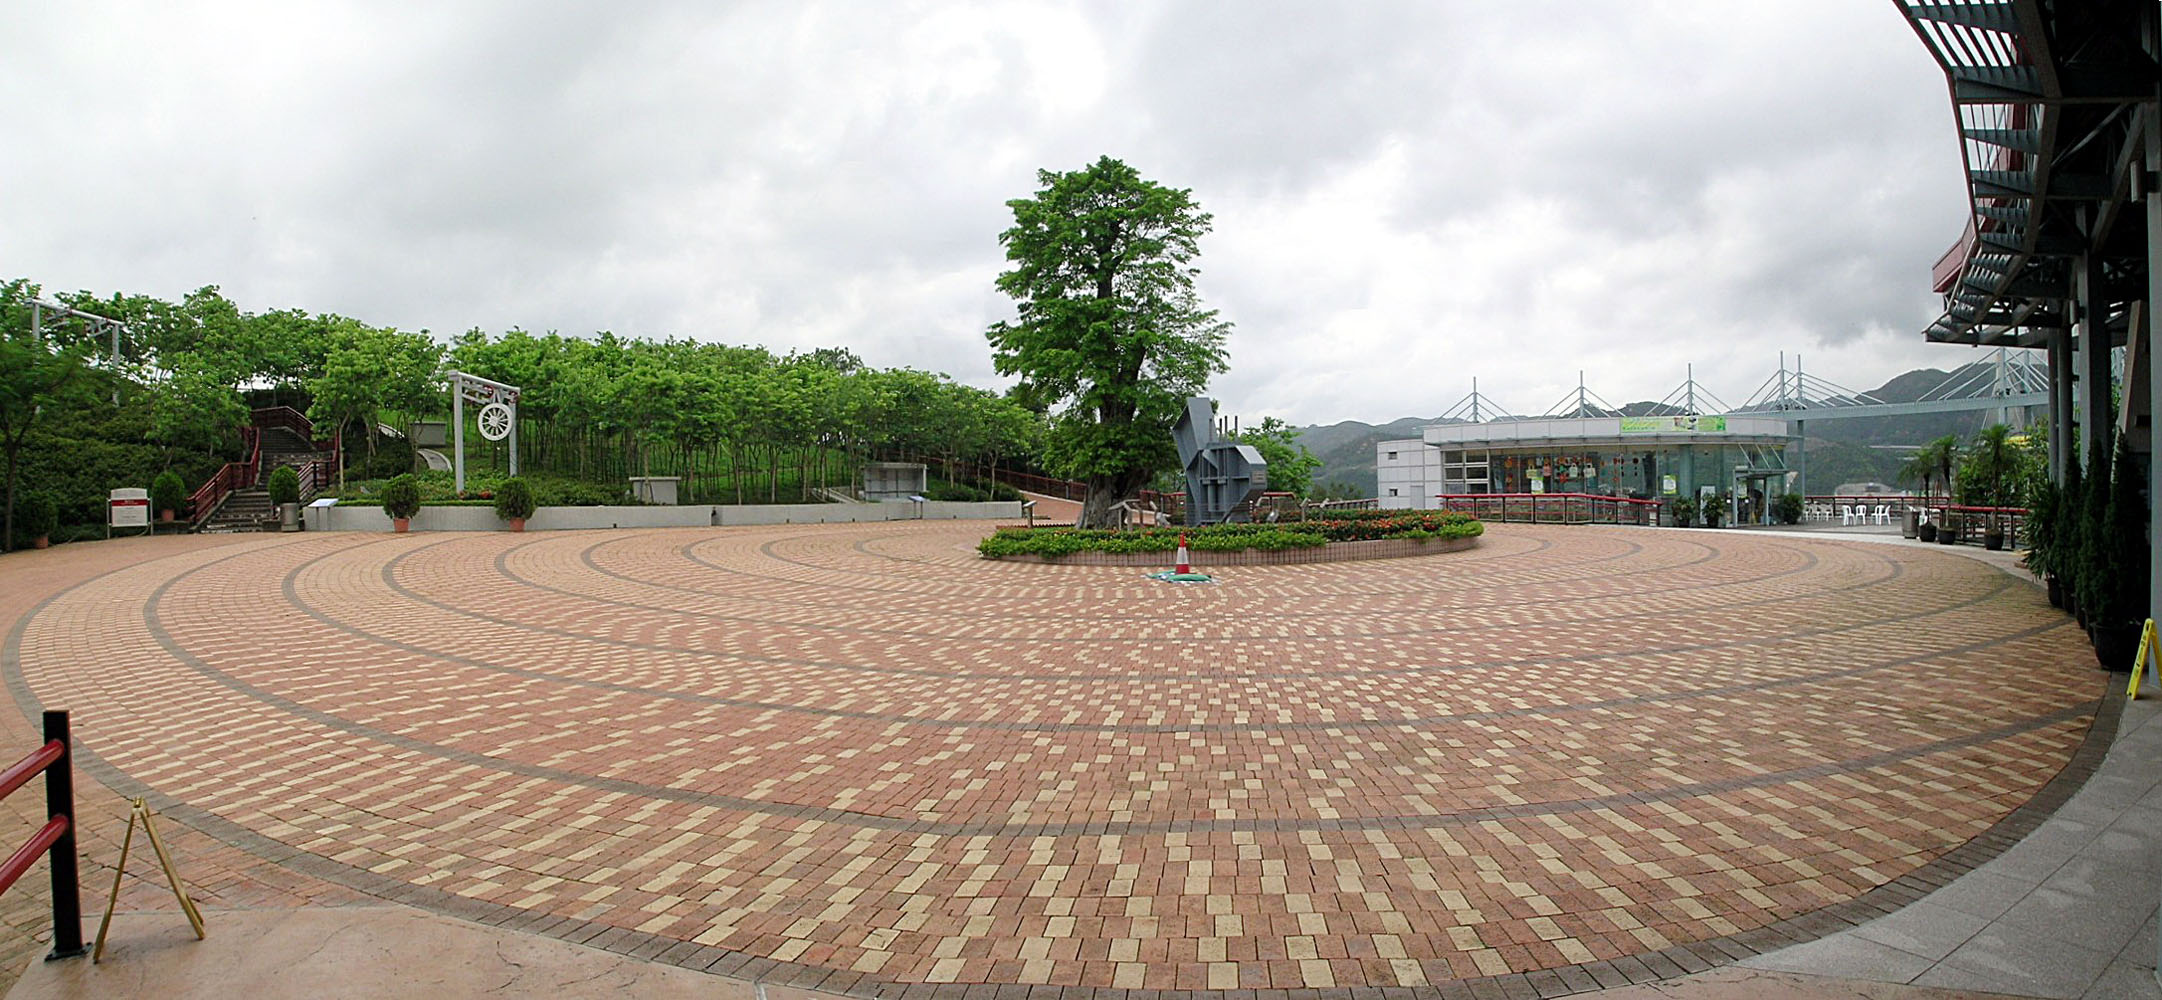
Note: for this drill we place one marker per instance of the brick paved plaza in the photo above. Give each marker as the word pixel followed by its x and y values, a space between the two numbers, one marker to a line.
pixel 857 754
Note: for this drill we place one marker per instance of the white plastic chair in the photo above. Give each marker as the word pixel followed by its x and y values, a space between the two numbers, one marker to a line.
pixel 1883 514
pixel 1846 513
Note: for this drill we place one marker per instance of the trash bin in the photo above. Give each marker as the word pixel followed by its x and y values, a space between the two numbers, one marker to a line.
pixel 1911 526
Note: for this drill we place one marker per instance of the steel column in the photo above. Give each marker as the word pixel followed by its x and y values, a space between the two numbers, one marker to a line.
pixel 2092 310
pixel 2060 403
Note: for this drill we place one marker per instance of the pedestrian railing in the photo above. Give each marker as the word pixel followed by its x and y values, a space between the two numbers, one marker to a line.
pixel 1552 508
pixel 56 839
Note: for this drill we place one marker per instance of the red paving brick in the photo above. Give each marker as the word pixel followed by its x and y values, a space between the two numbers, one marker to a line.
pixel 861 748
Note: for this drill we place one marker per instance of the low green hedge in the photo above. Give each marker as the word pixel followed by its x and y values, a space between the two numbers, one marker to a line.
pixel 1051 543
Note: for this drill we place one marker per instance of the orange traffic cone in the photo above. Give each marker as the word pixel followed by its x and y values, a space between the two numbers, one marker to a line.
pixel 1184 565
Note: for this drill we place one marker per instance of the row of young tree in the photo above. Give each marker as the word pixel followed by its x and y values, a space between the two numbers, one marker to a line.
pixel 735 422
pixel 2088 541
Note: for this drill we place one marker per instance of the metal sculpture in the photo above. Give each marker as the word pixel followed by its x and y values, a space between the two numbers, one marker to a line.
pixel 498 418
pixel 1221 476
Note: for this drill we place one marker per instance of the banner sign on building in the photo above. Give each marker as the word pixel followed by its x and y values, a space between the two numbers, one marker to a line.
pixel 1672 425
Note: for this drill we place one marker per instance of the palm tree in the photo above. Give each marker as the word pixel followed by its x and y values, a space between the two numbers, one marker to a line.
pixel 1993 460
pixel 1931 463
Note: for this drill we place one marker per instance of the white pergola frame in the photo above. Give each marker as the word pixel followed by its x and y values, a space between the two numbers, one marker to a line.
pixel 464 387
pixel 99 326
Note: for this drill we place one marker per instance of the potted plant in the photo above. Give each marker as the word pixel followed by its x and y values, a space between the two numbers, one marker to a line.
pixel 1788 508
pixel 1948 532
pixel 1683 510
pixel 2120 563
pixel 2042 538
pixel 1992 457
pixel 401 500
pixel 2090 568
pixel 1715 507
pixel 284 489
pixel 514 502
pixel 36 517
pixel 168 494
pixel 2065 535
pixel 1926 531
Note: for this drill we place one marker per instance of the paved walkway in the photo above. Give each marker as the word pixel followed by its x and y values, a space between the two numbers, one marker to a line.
pixel 845 756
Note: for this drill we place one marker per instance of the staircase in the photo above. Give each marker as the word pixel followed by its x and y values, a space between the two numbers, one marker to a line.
pixel 243 510
pixel 250 509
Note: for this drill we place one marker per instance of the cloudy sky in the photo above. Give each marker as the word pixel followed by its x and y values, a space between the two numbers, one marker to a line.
pixel 1405 195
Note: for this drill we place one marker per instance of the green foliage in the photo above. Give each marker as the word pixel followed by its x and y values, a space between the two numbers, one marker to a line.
pixel 393 457
pixel 1110 334
pixel 1683 510
pixel 1051 543
pixel 2042 504
pixel 2066 529
pixel 283 485
pixel 34 380
pixel 2092 567
pixel 2119 553
pixel 167 492
pixel 1787 508
pixel 1715 508
pixel 36 516
pixel 401 497
pixel 1932 464
pixel 1291 466
pixel 514 500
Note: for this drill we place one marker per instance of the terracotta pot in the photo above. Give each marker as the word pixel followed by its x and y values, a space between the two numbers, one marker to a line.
pixel 517 524
pixel 401 524
pixel 42 542
pixel 165 516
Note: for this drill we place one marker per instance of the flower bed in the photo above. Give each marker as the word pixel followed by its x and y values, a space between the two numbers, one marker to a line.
pixel 1346 526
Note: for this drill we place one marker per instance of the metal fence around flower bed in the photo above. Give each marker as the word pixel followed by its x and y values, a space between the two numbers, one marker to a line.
pixel 1552 508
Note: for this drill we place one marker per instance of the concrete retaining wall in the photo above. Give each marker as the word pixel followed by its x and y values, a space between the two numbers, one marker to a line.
pixel 1380 548
pixel 370 517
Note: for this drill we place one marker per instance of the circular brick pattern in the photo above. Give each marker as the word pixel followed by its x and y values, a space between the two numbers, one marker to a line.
pixel 858 754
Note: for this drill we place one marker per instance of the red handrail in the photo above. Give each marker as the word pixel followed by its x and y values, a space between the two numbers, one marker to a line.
pixel 56 839
pixel 1562 508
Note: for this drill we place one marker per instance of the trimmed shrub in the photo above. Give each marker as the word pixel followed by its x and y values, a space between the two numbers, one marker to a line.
pixel 401 497
pixel 167 492
pixel 36 515
pixel 1052 543
pixel 514 500
pixel 284 485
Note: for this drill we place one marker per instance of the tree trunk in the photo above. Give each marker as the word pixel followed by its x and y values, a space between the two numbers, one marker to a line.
pixel 1100 508
pixel 7 540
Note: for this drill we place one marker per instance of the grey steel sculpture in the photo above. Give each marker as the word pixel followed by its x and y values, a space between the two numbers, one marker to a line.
pixel 1221 476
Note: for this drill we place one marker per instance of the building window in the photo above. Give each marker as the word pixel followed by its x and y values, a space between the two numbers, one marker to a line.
pixel 1392 491
pixel 1392 456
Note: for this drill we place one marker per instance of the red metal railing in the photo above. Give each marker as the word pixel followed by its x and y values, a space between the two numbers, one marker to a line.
pixel 1968 522
pixel 233 476
pixel 298 422
pixel 1552 508
pixel 56 839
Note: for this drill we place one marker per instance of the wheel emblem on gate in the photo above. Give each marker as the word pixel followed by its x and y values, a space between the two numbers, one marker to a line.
pixel 495 421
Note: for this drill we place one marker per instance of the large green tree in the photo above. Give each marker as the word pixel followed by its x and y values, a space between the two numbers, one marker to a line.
pixel 1110 333
pixel 33 379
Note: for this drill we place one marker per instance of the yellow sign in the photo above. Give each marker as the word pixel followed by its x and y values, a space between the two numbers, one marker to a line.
pixel 2147 648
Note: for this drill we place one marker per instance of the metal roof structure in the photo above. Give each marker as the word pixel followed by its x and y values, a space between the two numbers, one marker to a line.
pixel 2045 95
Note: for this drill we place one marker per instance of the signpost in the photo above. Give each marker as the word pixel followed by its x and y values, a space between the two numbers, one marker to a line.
pixel 127 508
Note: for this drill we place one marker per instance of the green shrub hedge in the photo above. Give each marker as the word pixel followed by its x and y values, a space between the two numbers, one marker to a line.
pixel 1052 543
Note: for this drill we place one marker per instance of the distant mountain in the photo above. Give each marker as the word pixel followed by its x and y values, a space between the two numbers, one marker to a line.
pixel 1857 450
